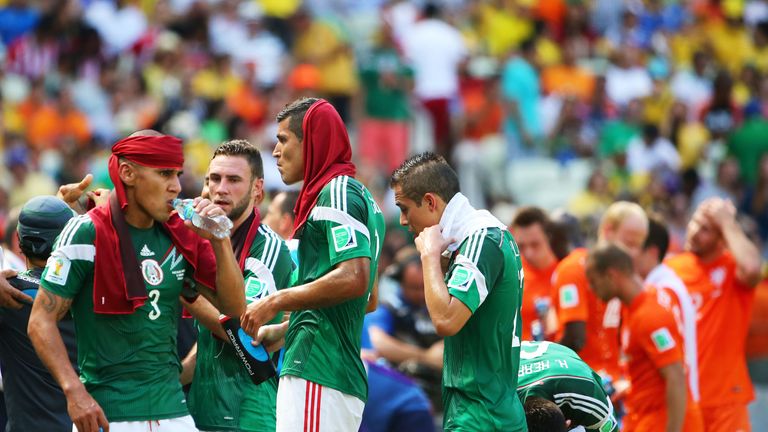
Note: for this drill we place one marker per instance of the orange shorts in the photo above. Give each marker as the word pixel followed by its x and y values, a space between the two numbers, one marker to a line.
pixel 726 418
pixel 657 420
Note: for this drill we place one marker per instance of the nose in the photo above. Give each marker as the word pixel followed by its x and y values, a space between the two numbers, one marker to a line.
pixel 175 185
pixel 403 220
pixel 278 149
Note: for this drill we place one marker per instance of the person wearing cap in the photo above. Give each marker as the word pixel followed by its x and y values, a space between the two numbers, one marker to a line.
pixel 323 384
pixel 121 269
pixel 33 399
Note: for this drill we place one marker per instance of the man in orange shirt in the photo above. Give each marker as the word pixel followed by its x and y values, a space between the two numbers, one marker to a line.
pixel 720 268
pixel 658 395
pixel 673 295
pixel 588 325
pixel 531 229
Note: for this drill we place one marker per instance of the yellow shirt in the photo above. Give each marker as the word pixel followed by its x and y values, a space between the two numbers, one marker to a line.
pixel 323 47
pixel 503 30
pixel 732 46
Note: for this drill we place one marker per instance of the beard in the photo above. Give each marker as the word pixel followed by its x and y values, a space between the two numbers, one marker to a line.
pixel 241 206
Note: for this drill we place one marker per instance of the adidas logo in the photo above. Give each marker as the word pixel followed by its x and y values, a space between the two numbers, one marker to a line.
pixel 145 252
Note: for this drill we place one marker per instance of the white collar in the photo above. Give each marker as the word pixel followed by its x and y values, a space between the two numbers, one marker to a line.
pixel 460 220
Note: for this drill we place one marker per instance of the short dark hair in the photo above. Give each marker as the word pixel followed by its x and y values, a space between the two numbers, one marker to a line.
pixel 241 147
pixel 610 256
pixel 658 236
pixel 289 202
pixel 528 216
pixel 423 173
pixel 543 415
pixel 296 111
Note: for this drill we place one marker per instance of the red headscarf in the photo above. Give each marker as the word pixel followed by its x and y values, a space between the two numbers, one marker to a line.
pixel 327 154
pixel 118 286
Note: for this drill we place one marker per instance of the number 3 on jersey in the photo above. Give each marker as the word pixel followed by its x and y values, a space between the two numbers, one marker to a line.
pixel 154 297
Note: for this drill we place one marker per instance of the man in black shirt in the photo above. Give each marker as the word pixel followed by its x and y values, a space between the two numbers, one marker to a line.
pixel 33 399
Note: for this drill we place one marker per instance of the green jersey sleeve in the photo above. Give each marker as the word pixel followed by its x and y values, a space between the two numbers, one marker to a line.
pixel 269 266
pixel 475 270
pixel 343 213
pixel 71 262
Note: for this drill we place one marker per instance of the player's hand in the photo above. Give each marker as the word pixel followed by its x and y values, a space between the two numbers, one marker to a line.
pixel 433 356
pixel 85 412
pixel 256 315
pixel 271 336
pixel 721 212
pixel 99 196
pixel 10 297
pixel 71 193
pixel 431 242
pixel 205 208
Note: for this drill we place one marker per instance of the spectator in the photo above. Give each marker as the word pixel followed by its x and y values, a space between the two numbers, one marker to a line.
pixel 626 79
pixel 120 24
pixel 16 19
pixel 386 85
pixel 720 115
pixel 749 142
pixel 650 152
pixel 436 51
pixel 693 86
pixel 521 90
pixel 568 78
pixel 727 184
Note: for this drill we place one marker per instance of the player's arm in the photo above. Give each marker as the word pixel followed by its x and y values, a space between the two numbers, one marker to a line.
pixel 348 280
pixel 745 253
pixel 676 393
pixel 188 366
pixel 373 300
pixel 448 313
pixel 393 349
pixel 44 334
pixel 207 315
pixel 574 335
pixel 229 296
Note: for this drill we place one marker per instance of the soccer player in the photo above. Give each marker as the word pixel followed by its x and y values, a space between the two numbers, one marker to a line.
pixel 543 415
pixel 720 268
pixel 658 394
pixel 32 397
pixel 556 373
pixel 121 268
pixel 475 304
pixel 532 229
pixel 323 384
pixel 280 215
pixel 673 295
pixel 589 325
pixel 222 396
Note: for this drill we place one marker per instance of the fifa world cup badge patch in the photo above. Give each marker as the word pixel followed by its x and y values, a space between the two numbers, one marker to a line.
pixel 608 426
pixel 343 238
pixel 662 339
pixel 569 296
pixel 57 270
pixel 254 288
pixel 461 278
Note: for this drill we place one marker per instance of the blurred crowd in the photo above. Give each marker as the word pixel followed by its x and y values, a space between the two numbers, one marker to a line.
pixel 662 102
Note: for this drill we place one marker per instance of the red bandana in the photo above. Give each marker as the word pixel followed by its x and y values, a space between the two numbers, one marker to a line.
pixel 327 154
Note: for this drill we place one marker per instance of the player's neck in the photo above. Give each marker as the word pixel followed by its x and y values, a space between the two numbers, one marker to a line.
pixel 138 218
pixel 631 289
pixel 242 218
pixel 710 256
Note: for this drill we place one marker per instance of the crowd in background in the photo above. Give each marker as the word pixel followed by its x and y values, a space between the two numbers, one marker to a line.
pixel 663 102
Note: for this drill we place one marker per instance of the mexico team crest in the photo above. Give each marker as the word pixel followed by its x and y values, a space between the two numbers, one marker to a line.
pixel 152 272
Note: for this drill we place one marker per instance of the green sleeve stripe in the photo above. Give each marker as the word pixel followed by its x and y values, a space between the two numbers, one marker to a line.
pixel 583 403
pixel 271 248
pixel 76 252
pixel 337 216
pixel 261 272
pixel 339 193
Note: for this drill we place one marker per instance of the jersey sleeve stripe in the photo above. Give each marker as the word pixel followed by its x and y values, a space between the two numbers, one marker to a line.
pixel 479 247
pixel 76 252
pixel 267 247
pixel 582 408
pixel 339 217
pixel 584 401
pixel 345 183
pixel 261 272
pixel 470 246
pixel 70 229
pixel 333 193
pixel 275 252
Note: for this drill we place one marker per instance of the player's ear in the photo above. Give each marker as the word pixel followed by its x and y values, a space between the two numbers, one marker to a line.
pixel 430 200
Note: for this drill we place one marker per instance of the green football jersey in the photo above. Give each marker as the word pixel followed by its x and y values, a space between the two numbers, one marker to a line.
pixel 556 373
pixel 222 396
pixel 128 362
pixel 482 359
pixel 323 345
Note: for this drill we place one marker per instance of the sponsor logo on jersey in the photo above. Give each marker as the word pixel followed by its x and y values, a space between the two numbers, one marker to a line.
pixel 152 272
pixel 662 339
pixel 569 296
pixel 58 270
pixel 461 278
pixel 343 237
pixel 145 252
pixel 608 425
pixel 254 288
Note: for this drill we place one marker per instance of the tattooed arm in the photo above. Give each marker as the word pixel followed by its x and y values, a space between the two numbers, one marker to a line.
pixel 44 333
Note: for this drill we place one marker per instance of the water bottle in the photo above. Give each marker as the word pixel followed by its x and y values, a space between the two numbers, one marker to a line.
pixel 256 360
pixel 220 226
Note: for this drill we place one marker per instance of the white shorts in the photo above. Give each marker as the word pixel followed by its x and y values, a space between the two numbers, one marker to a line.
pixel 304 406
pixel 179 424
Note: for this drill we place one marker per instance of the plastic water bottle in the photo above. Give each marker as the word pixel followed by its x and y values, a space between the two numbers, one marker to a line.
pixel 220 226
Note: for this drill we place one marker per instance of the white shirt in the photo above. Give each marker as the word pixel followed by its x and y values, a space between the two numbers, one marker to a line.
pixel 644 159
pixel 435 49
pixel 664 277
pixel 118 28
pixel 624 85
pixel 691 89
